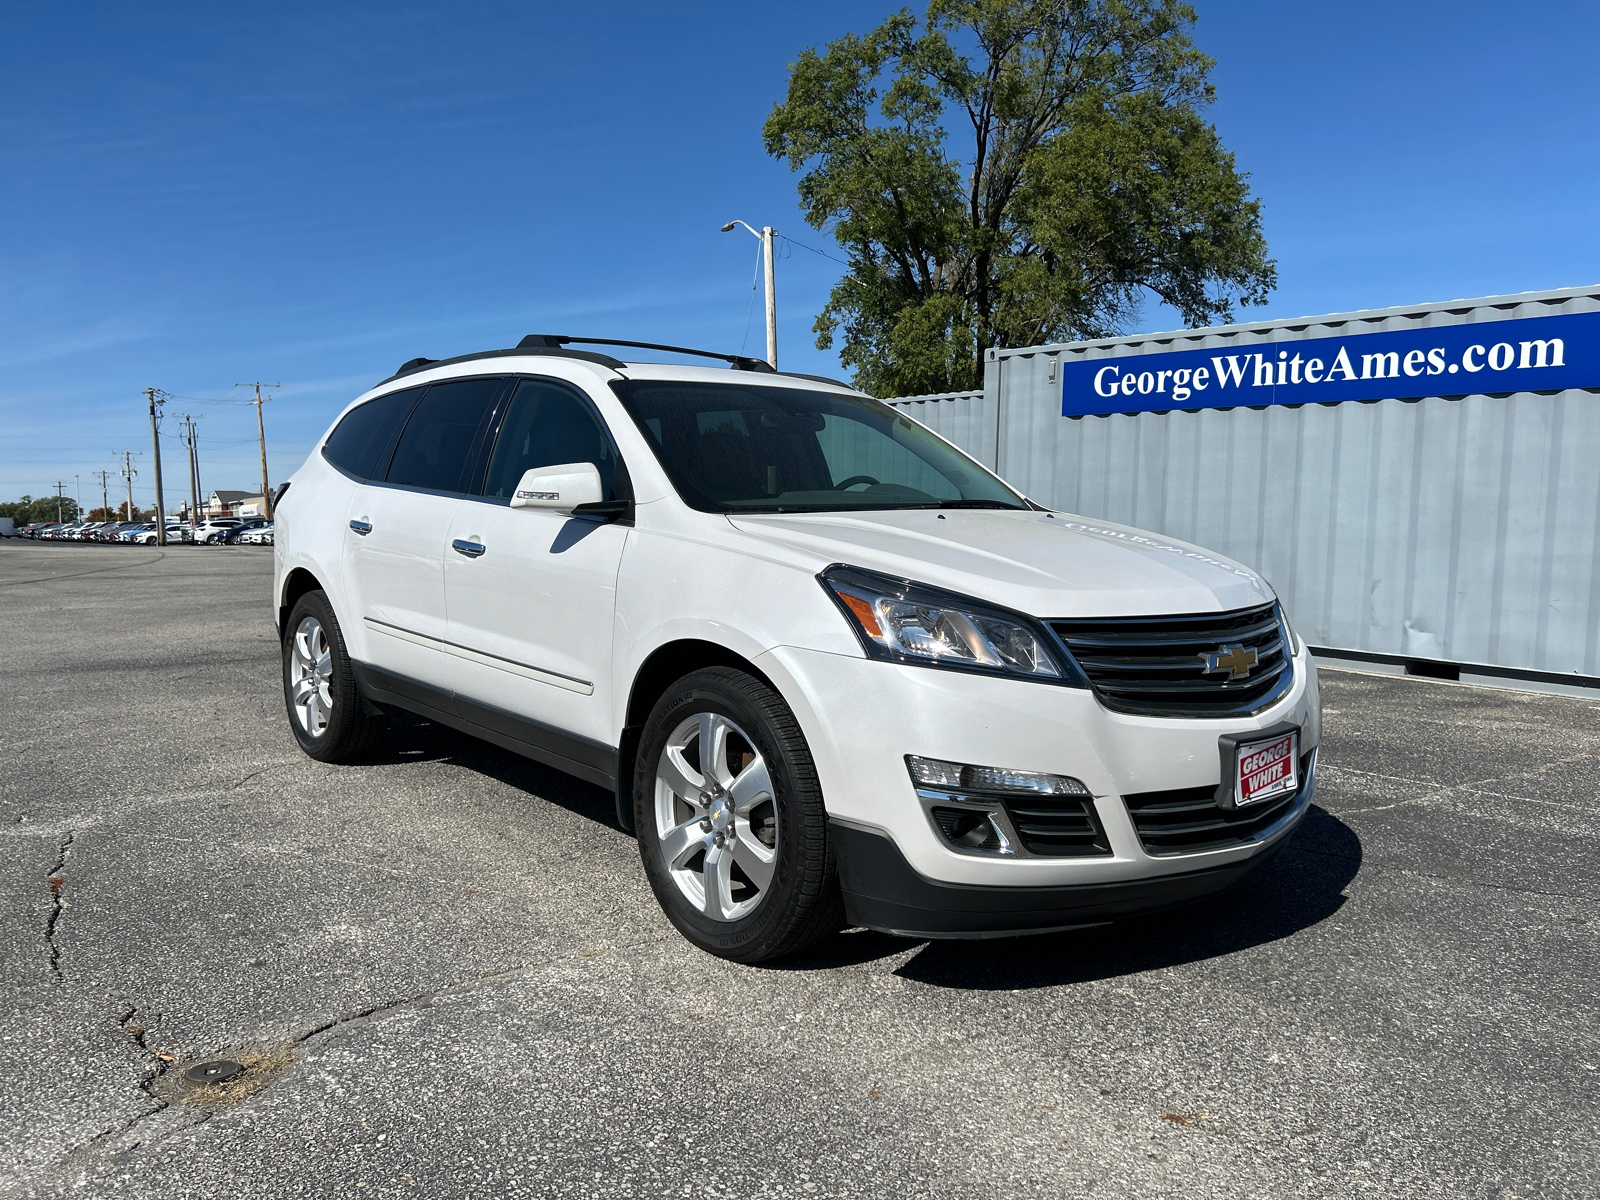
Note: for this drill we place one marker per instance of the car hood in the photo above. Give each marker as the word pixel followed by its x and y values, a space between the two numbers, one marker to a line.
pixel 1046 565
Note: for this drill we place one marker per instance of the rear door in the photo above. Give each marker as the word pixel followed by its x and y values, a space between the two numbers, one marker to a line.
pixel 398 536
pixel 532 600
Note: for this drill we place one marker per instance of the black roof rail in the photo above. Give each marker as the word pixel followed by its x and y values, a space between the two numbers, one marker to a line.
pixel 552 341
pixel 555 345
pixel 418 364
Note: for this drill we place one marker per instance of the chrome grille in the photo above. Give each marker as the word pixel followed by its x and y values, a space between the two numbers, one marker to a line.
pixel 1156 666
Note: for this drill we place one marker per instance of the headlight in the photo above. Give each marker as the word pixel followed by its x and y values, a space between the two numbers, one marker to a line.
pixel 905 622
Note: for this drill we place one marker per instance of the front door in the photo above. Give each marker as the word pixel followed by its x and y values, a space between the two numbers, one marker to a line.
pixel 532 592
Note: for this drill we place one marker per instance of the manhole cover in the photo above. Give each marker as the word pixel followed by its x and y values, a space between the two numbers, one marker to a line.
pixel 205 1073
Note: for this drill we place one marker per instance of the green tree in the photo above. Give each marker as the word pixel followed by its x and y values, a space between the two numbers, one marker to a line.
pixel 29 511
pixel 1085 175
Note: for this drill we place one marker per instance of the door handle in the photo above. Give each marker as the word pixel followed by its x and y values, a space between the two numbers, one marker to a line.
pixel 361 527
pixel 470 549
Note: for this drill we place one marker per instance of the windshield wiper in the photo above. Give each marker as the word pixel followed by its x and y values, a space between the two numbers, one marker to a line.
pixel 976 504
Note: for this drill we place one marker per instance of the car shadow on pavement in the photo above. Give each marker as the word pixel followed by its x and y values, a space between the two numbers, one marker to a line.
pixel 417 739
pixel 1303 885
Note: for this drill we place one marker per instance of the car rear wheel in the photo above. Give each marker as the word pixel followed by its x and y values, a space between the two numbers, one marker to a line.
pixel 327 713
pixel 730 819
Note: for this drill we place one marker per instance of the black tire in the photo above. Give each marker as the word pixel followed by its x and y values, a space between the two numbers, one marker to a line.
pixel 351 732
pixel 801 904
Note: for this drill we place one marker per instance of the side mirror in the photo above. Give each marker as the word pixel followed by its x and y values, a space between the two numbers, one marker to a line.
pixel 562 488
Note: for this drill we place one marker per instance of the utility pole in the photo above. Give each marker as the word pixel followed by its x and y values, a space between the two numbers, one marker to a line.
pixel 194 474
pixel 765 238
pixel 157 396
pixel 128 473
pixel 105 497
pixel 266 496
pixel 60 520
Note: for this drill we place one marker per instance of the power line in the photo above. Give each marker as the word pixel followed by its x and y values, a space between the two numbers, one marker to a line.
pixel 814 250
pixel 755 279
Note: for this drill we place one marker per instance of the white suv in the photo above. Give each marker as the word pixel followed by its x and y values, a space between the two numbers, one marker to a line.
pixel 835 670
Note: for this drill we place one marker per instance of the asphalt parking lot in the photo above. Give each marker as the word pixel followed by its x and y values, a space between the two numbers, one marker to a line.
pixel 451 979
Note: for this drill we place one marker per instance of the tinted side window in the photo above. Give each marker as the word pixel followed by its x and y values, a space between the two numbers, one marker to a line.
pixel 547 425
pixel 360 441
pixel 439 441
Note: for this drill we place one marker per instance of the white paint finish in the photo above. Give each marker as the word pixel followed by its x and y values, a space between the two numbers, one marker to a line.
pixel 554 620
pixel 542 594
pixel 561 488
pixel 311 542
pixel 395 574
pixel 1037 563
pixel 510 667
pixel 861 717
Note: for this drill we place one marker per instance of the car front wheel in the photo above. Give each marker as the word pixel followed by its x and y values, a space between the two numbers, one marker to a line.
pixel 730 819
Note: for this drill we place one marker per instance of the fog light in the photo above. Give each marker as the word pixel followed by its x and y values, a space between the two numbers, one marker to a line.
pixel 971 829
pixel 933 772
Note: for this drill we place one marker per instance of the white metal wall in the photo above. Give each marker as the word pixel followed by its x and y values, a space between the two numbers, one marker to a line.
pixel 965 418
pixel 1466 530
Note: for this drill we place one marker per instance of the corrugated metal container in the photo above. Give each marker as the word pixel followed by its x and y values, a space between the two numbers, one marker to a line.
pixel 965 418
pixel 1465 529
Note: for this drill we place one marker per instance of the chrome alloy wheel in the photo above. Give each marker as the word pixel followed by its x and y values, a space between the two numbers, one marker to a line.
pixel 716 817
pixel 310 674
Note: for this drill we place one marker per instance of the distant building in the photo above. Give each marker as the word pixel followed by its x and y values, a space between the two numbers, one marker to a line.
pixel 234 504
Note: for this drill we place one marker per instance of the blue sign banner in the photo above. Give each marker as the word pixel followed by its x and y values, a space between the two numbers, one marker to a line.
pixel 1531 354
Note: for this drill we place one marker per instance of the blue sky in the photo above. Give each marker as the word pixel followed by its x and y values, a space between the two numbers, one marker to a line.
pixel 199 195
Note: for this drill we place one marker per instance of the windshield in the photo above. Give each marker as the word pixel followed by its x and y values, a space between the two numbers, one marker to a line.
pixel 731 448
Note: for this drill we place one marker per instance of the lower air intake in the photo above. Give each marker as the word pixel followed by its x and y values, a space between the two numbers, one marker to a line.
pixel 1188 821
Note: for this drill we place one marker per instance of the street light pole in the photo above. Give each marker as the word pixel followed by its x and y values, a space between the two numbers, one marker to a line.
pixel 765 238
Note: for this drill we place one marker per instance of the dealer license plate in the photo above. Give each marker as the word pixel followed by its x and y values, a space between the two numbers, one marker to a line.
pixel 1266 769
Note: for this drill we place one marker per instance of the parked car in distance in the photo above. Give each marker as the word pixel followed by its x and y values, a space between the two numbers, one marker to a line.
pixel 8 528
pixel 229 536
pixel 835 670
pixel 147 536
pixel 260 536
pixel 210 532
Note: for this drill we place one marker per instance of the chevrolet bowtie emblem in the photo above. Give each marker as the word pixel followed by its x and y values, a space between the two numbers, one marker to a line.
pixel 1239 661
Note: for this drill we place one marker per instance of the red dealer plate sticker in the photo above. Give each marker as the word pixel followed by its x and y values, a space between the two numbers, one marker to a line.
pixel 1266 769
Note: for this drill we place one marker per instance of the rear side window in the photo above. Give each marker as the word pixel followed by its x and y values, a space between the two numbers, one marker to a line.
pixel 547 425
pixel 441 440
pixel 361 442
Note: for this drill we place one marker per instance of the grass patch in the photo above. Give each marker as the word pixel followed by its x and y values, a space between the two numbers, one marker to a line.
pixel 261 1067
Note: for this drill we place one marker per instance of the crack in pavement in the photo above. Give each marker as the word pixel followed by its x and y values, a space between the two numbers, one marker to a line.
pixel 234 786
pixel 1504 887
pixel 125 566
pixel 57 882
pixel 160 1061
pixel 182 1118
pixel 1429 789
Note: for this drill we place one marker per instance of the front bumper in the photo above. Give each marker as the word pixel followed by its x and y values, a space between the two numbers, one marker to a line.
pixel 861 717
pixel 883 891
